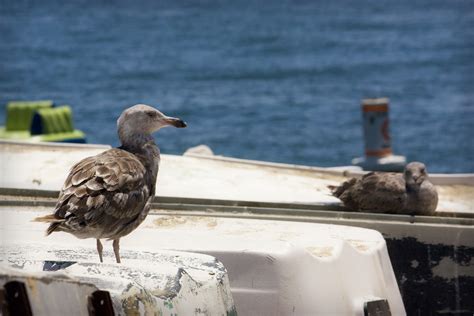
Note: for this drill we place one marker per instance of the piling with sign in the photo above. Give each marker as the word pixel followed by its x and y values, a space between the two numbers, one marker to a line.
pixel 377 141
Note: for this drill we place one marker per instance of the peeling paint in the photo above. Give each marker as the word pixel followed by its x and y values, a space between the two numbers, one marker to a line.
pixel 50 295
pixel 232 312
pixel 216 264
pixel 427 276
pixel 173 286
pixel 448 269
pixel 168 304
pixel 164 283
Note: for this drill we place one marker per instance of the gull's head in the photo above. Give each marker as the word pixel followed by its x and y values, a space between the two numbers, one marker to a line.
pixel 144 119
pixel 415 173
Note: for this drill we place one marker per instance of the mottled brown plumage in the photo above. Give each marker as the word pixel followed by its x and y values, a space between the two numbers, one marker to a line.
pixel 110 194
pixel 407 193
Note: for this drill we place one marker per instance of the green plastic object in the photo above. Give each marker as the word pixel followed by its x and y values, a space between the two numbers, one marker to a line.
pixel 20 113
pixel 20 135
pixel 76 136
pixel 40 121
pixel 53 120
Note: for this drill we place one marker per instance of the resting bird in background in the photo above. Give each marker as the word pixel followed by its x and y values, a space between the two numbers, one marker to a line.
pixel 110 194
pixel 407 193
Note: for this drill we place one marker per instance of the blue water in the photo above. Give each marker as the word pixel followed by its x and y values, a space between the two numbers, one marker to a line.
pixel 274 80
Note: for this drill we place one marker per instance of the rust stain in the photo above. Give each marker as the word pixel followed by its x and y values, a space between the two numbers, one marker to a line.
pixel 134 300
pixel 169 221
pixel 212 224
pixel 32 286
pixel 173 221
pixel 161 292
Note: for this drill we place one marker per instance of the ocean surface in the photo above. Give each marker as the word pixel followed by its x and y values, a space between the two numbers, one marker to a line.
pixel 273 80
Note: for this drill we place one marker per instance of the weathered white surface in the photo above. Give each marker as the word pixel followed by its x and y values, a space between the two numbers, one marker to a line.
pixel 45 166
pixel 40 166
pixel 274 267
pixel 150 282
pixel 50 294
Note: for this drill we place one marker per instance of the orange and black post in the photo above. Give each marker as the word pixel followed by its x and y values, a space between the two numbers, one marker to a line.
pixel 376 127
pixel 377 141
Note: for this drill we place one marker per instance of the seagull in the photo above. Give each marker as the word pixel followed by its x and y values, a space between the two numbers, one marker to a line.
pixel 407 193
pixel 110 194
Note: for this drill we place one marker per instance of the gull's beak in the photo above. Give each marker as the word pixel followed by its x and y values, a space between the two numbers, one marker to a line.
pixel 176 122
pixel 418 179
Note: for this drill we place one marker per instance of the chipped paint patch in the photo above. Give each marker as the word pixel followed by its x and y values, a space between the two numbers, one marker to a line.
pixel 232 312
pixel 321 251
pixel 448 269
pixel 135 300
pixel 360 245
pixel 415 264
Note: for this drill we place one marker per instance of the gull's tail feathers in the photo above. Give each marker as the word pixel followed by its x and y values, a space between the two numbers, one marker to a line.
pixel 338 190
pixel 54 222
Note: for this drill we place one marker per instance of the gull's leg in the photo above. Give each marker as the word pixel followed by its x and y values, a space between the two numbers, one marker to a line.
pixel 116 249
pixel 99 249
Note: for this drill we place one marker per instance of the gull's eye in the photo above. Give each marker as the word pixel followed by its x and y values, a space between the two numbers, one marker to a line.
pixel 151 114
pixel 423 170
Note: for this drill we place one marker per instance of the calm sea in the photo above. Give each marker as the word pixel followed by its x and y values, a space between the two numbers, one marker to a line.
pixel 272 80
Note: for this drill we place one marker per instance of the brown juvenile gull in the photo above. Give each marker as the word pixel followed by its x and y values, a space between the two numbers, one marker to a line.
pixel 110 194
pixel 410 193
